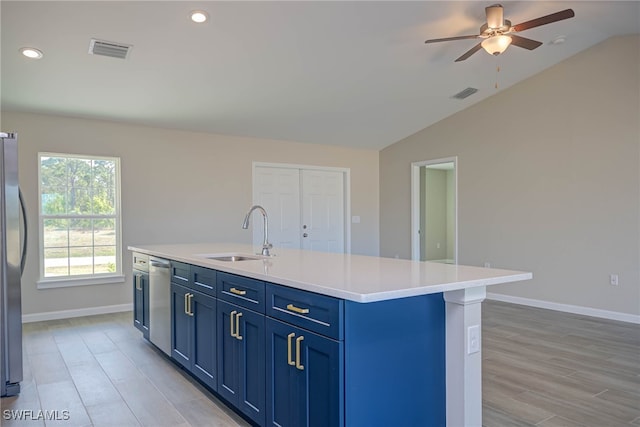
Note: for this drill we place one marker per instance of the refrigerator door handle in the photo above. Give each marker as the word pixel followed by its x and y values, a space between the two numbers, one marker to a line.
pixel 23 254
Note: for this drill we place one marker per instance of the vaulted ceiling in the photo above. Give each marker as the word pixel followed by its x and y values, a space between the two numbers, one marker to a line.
pixel 346 73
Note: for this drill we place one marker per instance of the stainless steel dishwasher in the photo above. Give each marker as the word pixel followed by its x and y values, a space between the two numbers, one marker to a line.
pixel 159 303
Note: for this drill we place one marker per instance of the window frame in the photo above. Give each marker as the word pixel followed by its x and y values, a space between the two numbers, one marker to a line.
pixel 85 279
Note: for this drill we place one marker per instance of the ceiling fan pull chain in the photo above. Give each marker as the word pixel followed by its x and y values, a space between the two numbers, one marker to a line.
pixel 497 71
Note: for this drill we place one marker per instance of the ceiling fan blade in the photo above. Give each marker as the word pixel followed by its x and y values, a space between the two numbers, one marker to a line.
pixel 447 39
pixel 524 42
pixel 470 52
pixel 543 20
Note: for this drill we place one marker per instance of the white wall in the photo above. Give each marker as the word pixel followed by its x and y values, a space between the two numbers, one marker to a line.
pixel 557 193
pixel 177 186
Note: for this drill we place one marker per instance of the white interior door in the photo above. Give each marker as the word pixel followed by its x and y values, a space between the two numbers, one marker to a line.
pixel 277 190
pixel 306 207
pixel 322 211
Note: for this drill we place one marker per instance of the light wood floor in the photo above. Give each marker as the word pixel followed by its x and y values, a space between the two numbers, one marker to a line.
pixel 540 367
pixel 547 368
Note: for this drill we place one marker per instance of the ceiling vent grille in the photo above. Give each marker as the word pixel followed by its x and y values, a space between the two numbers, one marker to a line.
pixel 465 93
pixel 104 48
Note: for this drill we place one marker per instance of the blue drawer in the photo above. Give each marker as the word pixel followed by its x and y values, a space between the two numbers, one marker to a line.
pixel 203 280
pixel 242 291
pixel 317 313
pixel 180 273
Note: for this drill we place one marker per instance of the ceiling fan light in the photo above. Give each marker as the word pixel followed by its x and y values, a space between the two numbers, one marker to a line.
pixel 497 44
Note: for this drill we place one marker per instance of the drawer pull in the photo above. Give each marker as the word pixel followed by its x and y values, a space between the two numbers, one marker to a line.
pixel 298 364
pixel 289 359
pixel 231 322
pixel 190 313
pixel 295 309
pixel 237 291
pixel 238 336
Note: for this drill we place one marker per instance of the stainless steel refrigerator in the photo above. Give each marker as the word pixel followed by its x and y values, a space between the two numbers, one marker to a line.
pixel 12 256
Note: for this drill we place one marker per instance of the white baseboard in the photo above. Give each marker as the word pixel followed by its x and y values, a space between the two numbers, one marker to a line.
pixel 575 309
pixel 79 312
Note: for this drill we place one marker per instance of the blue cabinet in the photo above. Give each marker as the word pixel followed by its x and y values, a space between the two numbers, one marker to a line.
pixel 304 379
pixel 181 334
pixel 286 357
pixel 241 359
pixel 241 344
pixel 193 330
pixel 141 293
pixel 332 362
pixel 204 343
pixel 141 302
pixel 305 352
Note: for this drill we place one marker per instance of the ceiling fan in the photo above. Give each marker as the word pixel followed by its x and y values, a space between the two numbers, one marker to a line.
pixel 498 33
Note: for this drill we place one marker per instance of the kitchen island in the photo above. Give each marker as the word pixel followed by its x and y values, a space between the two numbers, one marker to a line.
pixel 374 341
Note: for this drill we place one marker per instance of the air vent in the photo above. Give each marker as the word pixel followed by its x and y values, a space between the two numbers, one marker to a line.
pixel 104 48
pixel 465 93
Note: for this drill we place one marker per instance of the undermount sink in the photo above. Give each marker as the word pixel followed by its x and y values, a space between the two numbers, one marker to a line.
pixel 233 257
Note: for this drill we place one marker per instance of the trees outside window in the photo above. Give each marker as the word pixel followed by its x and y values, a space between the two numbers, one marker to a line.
pixel 79 216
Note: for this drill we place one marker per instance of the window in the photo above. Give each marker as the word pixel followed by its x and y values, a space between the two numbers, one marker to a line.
pixel 79 220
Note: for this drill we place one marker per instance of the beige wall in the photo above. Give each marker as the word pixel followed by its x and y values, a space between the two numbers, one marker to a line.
pixel 177 186
pixel 434 215
pixel 557 192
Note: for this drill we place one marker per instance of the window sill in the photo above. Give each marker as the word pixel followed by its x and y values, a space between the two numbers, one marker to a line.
pixel 67 282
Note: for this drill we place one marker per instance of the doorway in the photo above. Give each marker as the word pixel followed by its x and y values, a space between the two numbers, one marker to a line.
pixel 307 206
pixel 434 210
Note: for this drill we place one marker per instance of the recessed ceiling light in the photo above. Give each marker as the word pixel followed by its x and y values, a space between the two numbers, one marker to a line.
pixel 199 16
pixel 31 52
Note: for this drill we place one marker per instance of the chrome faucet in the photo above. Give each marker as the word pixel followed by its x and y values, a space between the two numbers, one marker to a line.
pixel 265 244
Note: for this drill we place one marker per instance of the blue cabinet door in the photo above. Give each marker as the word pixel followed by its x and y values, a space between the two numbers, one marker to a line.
pixel 141 302
pixel 252 365
pixel 180 325
pixel 305 378
pixel 228 377
pixel 203 344
pixel 241 359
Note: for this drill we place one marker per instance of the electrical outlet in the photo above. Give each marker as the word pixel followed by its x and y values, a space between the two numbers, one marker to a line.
pixel 487 265
pixel 473 339
pixel 613 279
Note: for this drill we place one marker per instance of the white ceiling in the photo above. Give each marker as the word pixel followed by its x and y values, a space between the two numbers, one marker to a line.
pixel 346 73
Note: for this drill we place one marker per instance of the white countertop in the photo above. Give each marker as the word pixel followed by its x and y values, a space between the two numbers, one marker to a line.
pixel 352 277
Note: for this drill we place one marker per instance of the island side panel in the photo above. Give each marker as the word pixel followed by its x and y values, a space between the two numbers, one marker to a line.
pixel 395 362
